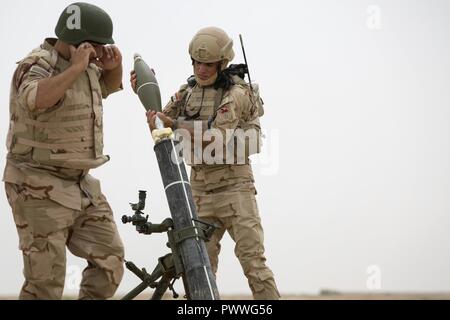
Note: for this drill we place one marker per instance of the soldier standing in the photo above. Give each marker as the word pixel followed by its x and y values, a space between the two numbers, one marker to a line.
pixel 217 99
pixel 55 138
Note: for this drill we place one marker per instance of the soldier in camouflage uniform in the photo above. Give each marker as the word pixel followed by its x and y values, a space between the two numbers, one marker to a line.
pixel 217 99
pixel 55 138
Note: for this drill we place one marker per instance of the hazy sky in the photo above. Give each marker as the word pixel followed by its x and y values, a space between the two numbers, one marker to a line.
pixel 355 175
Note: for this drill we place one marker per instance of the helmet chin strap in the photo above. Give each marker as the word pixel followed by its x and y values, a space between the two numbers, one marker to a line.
pixel 224 64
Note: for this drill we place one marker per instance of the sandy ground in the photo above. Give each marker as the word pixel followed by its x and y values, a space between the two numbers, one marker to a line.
pixel 344 296
pixel 358 296
pixel 322 296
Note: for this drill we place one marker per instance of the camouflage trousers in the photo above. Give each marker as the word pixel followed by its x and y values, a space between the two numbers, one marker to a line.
pixel 45 228
pixel 236 212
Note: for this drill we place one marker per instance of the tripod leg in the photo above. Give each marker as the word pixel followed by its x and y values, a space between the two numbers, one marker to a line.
pixel 162 286
pixel 133 293
pixel 146 281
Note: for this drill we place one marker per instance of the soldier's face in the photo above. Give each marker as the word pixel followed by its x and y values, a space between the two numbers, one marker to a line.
pixel 205 70
pixel 98 49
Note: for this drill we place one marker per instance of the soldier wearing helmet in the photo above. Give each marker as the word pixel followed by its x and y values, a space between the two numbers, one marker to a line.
pixel 55 137
pixel 217 100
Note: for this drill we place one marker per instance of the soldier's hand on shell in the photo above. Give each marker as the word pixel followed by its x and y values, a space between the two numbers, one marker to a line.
pixel 167 121
pixel 151 119
pixel 133 80
pixel 80 57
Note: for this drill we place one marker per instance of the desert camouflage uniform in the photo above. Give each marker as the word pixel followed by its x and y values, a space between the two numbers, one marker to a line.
pixel 54 200
pixel 224 193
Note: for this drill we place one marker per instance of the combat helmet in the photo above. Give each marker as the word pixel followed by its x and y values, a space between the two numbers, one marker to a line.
pixel 211 44
pixel 81 22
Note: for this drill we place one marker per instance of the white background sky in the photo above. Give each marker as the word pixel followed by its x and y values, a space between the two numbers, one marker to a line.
pixel 356 170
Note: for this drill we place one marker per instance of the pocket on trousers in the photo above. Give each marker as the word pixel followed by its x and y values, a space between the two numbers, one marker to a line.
pixel 37 261
pixel 91 187
pixel 262 276
pixel 265 275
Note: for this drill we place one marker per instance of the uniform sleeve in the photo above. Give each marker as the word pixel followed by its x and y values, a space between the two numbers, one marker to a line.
pixel 106 91
pixel 26 80
pixel 230 113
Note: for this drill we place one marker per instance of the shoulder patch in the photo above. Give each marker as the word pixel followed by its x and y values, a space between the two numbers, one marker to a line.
pixel 21 71
pixel 40 72
pixel 39 63
pixel 224 109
